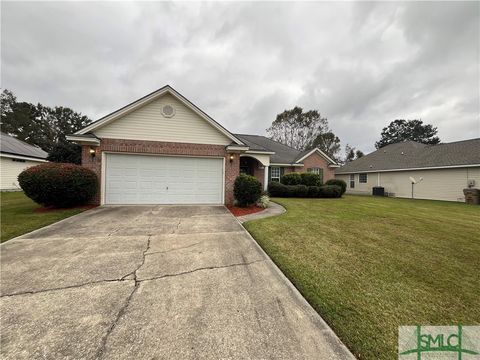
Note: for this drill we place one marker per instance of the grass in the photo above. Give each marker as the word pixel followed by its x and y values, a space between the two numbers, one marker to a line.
pixel 18 215
pixel 369 265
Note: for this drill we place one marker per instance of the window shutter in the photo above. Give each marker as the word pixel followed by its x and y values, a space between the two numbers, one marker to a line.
pixel 269 173
pixel 282 172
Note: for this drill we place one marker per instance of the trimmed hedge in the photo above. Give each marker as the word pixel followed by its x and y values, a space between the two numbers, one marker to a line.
pixel 276 189
pixel 291 179
pixel 307 179
pixel 338 182
pixel 311 179
pixel 247 190
pixel 59 185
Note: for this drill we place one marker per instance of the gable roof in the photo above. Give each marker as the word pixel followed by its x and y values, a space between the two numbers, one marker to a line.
pixel 12 146
pixel 414 155
pixel 151 97
pixel 283 154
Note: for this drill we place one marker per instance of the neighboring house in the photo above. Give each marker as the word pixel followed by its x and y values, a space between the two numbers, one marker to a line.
pixel 441 171
pixel 162 149
pixel 16 156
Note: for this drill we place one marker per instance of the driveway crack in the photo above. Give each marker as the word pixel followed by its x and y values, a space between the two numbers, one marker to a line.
pixel 179 248
pixel 122 310
pixel 201 269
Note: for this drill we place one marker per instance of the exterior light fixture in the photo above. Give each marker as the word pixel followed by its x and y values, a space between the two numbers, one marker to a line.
pixel 232 157
pixel 92 152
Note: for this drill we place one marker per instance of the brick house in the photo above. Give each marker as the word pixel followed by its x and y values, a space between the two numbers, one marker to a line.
pixel 162 149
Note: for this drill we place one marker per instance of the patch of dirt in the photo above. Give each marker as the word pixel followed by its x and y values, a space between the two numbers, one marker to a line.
pixel 241 211
pixel 52 209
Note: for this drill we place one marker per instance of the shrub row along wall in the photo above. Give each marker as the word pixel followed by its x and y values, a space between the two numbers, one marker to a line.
pixel 303 191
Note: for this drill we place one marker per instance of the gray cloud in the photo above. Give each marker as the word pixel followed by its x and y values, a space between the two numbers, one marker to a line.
pixel 360 64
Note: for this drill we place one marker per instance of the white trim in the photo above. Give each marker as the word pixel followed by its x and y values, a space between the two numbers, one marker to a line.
pixel 260 152
pixel 104 168
pixel 81 139
pixel 236 148
pixel 286 165
pixel 265 178
pixel 333 166
pixel 21 157
pixel 155 95
pixel 409 169
pixel 321 153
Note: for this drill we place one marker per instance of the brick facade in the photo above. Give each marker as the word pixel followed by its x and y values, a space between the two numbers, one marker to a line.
pixel 232 168
pixel 317 161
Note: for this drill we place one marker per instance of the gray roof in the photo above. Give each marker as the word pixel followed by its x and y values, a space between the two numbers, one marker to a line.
pixel 411 155
pixel 283 154
pixel 12 146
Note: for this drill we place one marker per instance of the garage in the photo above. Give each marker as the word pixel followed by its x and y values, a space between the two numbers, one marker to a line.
pixel 150 179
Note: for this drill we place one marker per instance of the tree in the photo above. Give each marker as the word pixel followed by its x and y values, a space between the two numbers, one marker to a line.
pixel 329 143
pixel 296 128
pixel 66 152
pixel 402 130
pixel 352 154
pixel 43 126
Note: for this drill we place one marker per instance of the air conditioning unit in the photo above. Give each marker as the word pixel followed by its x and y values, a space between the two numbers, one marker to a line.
pixel 471 183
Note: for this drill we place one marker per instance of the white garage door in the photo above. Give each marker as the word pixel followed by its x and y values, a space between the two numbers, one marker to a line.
pixel 145 179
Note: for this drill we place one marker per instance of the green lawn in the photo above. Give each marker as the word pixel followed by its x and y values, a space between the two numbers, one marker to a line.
pixel 18 215
pixel 369 265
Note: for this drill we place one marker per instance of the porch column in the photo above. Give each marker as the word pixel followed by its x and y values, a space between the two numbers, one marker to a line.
pixel 265 178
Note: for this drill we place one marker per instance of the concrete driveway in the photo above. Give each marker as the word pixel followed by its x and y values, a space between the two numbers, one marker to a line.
pixel 152 282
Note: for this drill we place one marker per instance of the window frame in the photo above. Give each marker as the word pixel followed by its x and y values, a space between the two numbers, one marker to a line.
pixel 352 181
pixel 360 178
pixel 275 178
pixel 317 171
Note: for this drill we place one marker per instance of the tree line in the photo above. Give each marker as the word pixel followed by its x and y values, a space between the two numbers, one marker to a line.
pixel 304 130
pixel 47 127
pixel 43 126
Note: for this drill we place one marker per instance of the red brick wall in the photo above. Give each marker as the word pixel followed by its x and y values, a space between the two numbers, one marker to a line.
pixel 232 169
pixel 315 160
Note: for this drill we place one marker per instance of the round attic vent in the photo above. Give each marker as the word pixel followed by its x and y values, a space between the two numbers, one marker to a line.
pixel 168 110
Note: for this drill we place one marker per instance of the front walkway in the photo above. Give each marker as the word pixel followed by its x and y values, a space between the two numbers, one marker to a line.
pixel 178 282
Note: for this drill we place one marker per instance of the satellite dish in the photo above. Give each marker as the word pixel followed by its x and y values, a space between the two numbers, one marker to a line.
pixel 412 180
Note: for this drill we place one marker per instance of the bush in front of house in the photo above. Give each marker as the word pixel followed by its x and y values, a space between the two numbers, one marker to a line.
pixel 311 179
pixel 59 185
pixel 313 191
pixel 291 179
pixel 338 182
pixel 247 190
pixel 330 191
pixel 276 189
pixel 264 201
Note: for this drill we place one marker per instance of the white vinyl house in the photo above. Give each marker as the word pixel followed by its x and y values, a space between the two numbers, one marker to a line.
pixel 15 157
pixel 439 172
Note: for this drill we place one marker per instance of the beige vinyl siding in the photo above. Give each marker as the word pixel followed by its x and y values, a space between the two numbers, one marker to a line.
pixel 9 171
pixel 438 184
pixel 148 123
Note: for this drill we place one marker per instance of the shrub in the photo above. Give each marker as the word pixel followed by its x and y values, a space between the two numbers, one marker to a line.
pixel 299 191
pixel 311 179
pixel 276 189
pixel 263 201
pixel 58 184
pixel 330 191
pixel 338 182
pixel 313 191
pixel 247 190
pixel 291 179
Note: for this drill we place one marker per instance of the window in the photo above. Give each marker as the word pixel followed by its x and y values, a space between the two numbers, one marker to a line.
pixel 318 171
pixel 275 174
pixel 352 181
pixel 362 178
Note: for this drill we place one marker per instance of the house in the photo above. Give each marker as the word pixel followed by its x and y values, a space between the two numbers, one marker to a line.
pixel 440 172
pixel 163 149
pixel 16 156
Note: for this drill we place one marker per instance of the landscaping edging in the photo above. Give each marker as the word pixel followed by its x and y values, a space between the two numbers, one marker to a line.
pixel 273 209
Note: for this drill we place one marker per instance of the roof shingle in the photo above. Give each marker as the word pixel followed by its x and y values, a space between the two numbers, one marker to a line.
pixel 411 155
pixel 13 146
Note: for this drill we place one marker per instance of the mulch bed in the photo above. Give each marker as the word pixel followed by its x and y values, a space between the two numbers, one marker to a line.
pixel 241 211
pixel 52 209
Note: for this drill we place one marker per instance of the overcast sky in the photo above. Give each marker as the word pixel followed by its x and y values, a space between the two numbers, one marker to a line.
pixel 361 65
